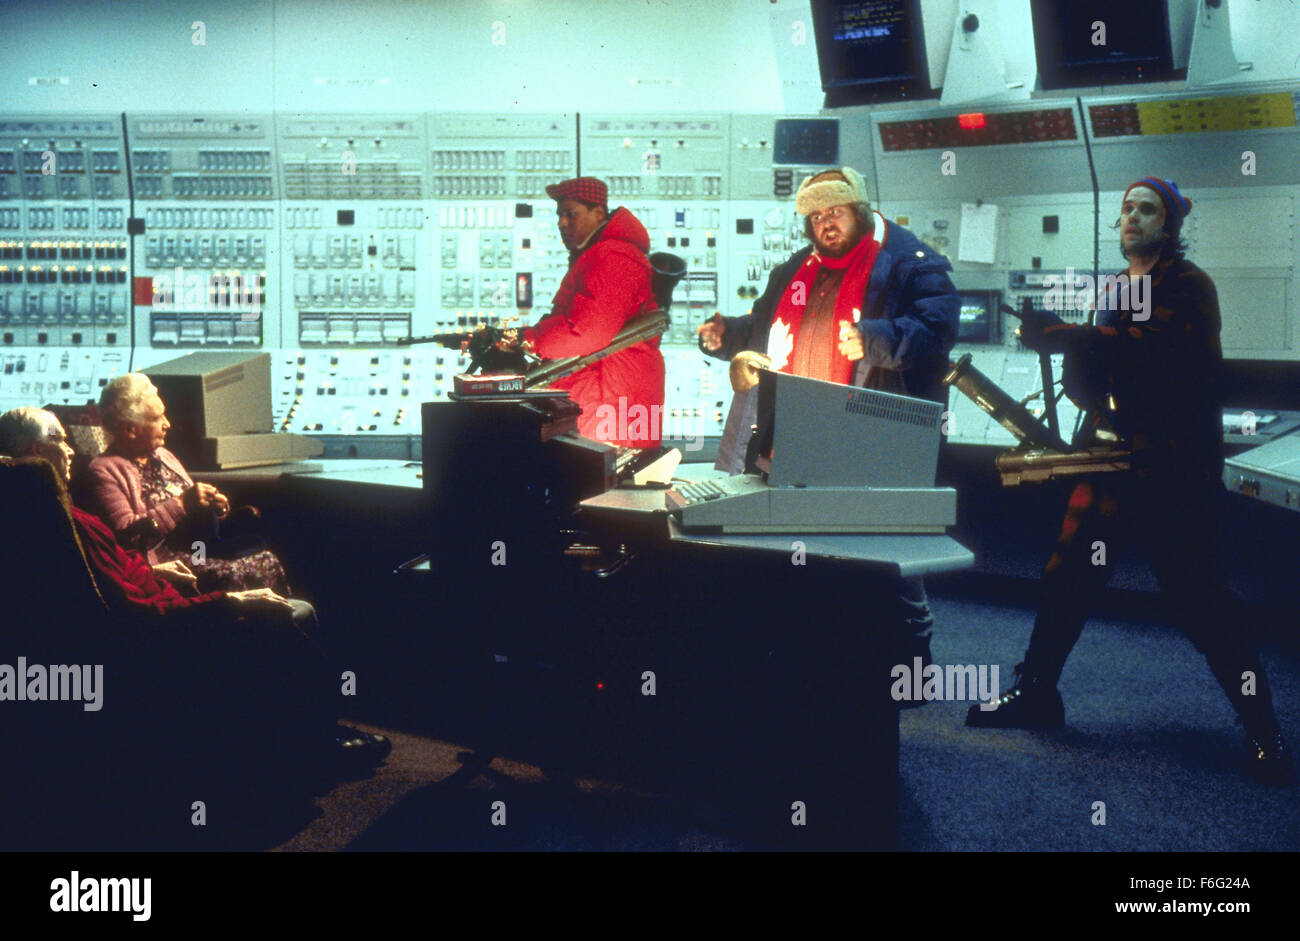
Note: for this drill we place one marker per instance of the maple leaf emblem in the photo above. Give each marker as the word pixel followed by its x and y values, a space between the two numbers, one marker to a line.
pixel 780 344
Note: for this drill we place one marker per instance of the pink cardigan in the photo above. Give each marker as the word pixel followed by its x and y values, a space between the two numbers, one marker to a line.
pixel 119 498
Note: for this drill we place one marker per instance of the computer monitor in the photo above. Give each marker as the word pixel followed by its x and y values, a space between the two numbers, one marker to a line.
pixel 870 51
pixel 1081 43
pixel 806 142
pixel 812 433
pixel 978 316
pixel 213 395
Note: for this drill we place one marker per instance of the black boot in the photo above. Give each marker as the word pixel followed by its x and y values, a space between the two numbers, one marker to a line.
pixel 1028 704
pixel 1270 759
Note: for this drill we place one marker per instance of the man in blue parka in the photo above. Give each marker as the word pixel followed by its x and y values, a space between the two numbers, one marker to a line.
pixel 868 304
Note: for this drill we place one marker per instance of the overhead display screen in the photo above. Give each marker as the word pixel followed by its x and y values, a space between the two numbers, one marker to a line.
pixel 1082 43
pixel 870 51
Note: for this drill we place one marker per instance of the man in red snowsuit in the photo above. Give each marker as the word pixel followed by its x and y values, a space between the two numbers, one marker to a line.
pixel 608 284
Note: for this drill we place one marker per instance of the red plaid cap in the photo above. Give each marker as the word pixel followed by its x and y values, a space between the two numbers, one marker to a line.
pixel 587 189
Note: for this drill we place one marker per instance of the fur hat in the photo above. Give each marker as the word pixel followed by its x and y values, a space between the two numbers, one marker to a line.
pixel 814 197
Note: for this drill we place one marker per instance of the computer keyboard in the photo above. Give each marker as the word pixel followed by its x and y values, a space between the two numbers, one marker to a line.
pixel 699 491
pixel 747 504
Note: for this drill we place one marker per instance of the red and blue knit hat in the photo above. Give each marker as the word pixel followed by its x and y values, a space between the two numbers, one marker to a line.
pixel 586 189
pixel 1177 206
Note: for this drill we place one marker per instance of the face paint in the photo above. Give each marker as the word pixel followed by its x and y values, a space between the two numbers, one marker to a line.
pixel 1142 222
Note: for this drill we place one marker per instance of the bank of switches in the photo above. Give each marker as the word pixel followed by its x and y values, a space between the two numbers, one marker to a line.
pixel 356 391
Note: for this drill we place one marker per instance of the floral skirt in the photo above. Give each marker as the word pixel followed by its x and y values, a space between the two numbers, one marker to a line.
pixel 261 569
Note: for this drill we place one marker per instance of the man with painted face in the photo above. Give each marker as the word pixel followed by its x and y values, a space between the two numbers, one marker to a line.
pixel 868 304
pixel 607 284
pixel 1148 375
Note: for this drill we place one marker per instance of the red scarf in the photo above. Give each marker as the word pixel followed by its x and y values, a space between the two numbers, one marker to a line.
pixel 848 301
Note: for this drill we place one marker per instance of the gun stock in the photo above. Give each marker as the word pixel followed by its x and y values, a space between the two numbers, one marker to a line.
pixel 637 330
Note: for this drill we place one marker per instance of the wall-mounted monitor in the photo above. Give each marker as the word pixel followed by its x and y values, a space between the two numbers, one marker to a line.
pixel 806 142
pixel 871 51
pixel 1082 43
pixel 978 316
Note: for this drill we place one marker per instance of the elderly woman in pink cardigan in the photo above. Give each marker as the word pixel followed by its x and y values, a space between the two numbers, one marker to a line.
pixel 138 478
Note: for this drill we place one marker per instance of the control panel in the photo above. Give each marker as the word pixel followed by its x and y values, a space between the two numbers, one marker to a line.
pixel 332 241
pixel 355 229
pixel 671 172
pixel 63 234
pixel 205 187
pixel 499 258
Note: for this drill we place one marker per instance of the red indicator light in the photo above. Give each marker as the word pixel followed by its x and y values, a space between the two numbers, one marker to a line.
pixel 600 686
pixel 971 122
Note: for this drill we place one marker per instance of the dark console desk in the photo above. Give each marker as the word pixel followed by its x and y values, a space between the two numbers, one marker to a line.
pixel 710 668
pixel 717 669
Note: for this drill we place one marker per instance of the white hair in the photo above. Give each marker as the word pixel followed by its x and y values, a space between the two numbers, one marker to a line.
pixel 122 401
pixel 20 428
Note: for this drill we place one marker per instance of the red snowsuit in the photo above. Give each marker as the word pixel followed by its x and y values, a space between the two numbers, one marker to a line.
pixel 126 578
pixel 608 284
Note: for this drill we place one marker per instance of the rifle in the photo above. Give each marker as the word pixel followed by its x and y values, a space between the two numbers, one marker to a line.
pixel 637 330
pixel 1042 454
pixel 491 351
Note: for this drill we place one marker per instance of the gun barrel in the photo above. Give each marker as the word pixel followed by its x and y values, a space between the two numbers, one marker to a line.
pixel 451 341
pixel 1005 410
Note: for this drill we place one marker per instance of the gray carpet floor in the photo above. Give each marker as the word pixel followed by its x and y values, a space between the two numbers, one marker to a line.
pixel 1149 734
pixel 1150 740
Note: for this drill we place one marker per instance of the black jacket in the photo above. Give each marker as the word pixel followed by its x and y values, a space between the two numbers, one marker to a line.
pixel 1157 381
